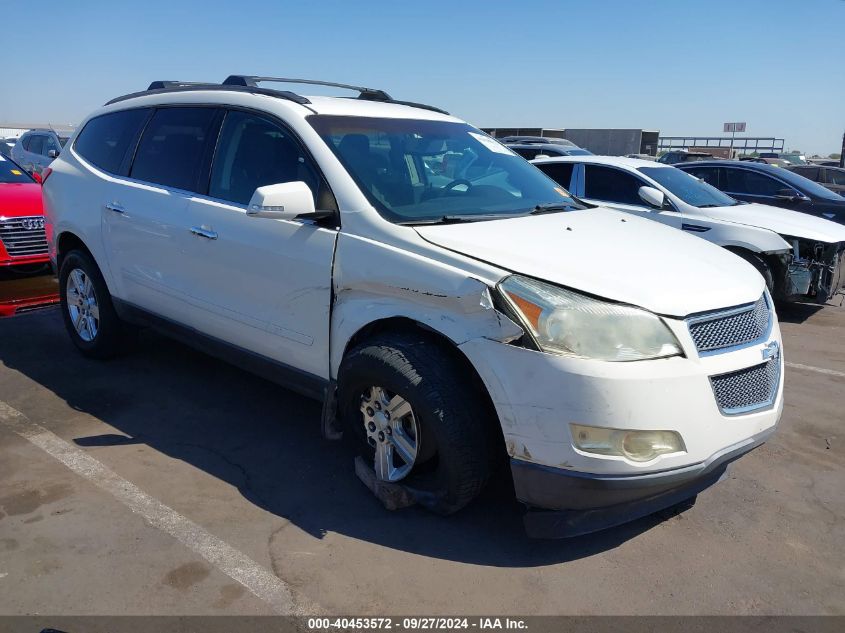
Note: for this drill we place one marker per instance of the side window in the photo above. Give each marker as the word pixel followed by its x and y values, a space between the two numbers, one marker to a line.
pixel 710 175
pixel 253 152
pixel 611 185
pixel 525 152
pixel 50 143
pixel 561 173
pixel 172 147
pixel 751 183
pixel 36 144
pixel 808 172
pixel 106 140
pixel 835 176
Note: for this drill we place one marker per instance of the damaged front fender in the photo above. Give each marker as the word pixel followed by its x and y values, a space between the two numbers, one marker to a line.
pixel 387 283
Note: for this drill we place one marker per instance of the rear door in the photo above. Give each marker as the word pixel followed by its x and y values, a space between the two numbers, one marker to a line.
pixel 145 217
pixel 261 284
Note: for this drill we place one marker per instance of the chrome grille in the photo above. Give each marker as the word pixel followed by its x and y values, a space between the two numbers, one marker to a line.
pixel 731 328
pixel 24 236
pixel 748 389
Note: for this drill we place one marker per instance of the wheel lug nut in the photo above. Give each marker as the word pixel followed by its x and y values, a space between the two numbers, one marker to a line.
pixel 370 411
pixel 378 406
pixel 381 436
pixel 389 431
pixel 371 441
pixel 371 426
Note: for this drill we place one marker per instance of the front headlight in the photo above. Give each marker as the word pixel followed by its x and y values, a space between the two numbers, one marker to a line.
pixel 572 324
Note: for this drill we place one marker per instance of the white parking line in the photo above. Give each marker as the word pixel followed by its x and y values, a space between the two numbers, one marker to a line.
pixel 818 370
pixel 235 564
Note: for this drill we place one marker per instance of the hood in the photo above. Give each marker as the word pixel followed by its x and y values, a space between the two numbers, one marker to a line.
pixel 20 198
pixel 612 255
pixel 781 221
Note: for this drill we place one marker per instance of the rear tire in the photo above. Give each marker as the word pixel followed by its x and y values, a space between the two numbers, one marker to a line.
pixel 87 308
pixel 444 426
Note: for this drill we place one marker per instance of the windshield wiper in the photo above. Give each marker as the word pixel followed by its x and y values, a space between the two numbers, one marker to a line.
pixel 459 219
pixel 553 207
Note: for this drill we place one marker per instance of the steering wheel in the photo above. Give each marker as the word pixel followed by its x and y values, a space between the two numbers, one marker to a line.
pixel 458 181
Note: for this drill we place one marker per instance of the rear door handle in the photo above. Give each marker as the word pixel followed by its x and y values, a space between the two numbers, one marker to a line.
pixel 114 206
pixel 203 232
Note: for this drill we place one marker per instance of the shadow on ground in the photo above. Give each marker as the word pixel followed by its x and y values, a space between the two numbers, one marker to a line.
pixel 265 441
pixel 796 312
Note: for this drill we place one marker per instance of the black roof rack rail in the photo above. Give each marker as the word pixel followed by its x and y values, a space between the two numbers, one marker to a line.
pixel 370 94
pixel 367 94
pixel 249 83
pixel 184 86
pixel 159 85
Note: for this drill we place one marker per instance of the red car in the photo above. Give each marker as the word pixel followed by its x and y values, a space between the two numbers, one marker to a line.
pixel 22 237
pixel 23 243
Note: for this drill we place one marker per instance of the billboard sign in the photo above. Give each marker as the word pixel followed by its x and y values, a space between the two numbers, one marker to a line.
pixel 734 127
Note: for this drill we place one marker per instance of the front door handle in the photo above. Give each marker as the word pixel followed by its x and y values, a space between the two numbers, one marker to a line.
pixel 114 206
pixel 204 232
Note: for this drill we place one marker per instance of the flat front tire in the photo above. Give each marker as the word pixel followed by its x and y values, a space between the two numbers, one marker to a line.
pixel 418 417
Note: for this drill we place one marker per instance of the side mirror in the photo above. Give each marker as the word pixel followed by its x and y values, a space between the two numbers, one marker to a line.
pixel 791 195
pixel 284 201
pixel 652 197
pixel 37 178
pixel 52 153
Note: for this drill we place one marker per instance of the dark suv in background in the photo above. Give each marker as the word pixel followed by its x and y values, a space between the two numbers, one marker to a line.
pixel 766 184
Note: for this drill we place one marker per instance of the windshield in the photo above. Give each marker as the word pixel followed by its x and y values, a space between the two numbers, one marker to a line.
pixel 428 171
pixel 63 140
pixel 688 188
pixel 10 172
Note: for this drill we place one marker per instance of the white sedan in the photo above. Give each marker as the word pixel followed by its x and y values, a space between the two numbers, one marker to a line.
pixel 801 257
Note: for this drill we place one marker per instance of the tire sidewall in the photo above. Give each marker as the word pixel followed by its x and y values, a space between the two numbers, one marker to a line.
pixel 104 342
pixel 436 479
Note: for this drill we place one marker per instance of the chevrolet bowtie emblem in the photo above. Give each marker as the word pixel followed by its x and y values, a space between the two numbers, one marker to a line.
pixel 771 351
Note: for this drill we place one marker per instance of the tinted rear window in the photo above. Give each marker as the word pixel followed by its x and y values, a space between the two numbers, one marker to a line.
pixel 561 173
pixel 106 140
pixel 171 149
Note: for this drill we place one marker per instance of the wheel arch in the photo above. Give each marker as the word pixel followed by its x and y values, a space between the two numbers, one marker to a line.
pixel 67 241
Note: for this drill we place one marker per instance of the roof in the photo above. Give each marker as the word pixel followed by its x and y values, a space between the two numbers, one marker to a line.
pixel 746 164
pixel 615 161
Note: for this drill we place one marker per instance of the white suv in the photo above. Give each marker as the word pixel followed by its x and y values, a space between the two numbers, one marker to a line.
pixel 448 302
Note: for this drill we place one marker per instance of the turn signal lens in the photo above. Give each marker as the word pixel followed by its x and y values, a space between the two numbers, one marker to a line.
pixel 638 446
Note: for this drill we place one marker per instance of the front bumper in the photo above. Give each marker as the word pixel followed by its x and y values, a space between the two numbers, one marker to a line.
pixel 581 503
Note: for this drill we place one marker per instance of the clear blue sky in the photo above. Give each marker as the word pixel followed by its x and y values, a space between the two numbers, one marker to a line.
pixel 681 67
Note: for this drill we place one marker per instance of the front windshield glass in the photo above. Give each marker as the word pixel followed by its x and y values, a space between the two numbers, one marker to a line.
pixel 428 171
pixel 688 188
pixel 10 172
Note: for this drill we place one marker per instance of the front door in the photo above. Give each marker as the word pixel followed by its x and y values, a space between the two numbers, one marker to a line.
pixel 261 284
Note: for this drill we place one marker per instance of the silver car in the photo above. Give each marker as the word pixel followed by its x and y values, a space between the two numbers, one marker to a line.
pixel 36 149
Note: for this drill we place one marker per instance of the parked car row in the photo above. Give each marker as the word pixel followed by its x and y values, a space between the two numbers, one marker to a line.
pixel 801 258
pixel 450 304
